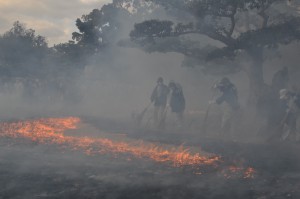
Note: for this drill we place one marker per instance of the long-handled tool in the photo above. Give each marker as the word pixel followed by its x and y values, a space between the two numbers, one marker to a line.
pixel 204 124
pixel 140 116
pixel 162 121
pixel 284 127
pixel 281 132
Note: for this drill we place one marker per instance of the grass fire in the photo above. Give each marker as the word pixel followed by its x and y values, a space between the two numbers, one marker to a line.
pixel 51 131
pixel 150 99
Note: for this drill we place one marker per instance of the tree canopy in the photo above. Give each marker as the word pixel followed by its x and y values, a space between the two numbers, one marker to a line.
pixel 248 26
pixel 99 28
pixel 20 49
pixel 218 20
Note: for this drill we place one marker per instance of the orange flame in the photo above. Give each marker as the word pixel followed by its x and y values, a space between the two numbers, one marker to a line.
pixel 52 130
pixel 246 173
pixel 249 173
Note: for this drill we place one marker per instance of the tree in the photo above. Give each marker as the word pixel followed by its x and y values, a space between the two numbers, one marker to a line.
pixel 247 27
pixel 69 55
pixel 99 28
pixel 103 27
pixel 22 52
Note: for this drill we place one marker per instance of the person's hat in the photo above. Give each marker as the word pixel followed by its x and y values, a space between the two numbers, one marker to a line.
pixel 160 79
pixel 224 82
pixel 172 84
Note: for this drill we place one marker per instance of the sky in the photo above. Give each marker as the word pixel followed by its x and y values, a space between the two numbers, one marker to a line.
pixel 54 19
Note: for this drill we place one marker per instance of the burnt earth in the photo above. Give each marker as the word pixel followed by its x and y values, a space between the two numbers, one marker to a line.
pixel 33 170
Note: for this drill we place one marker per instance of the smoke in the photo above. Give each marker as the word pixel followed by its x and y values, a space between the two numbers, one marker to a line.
pixel 115 83
pixel 118 80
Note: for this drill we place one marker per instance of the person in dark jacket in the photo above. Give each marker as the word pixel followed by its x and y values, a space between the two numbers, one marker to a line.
pixel 229 96
pixel 159 100
pixel 177 101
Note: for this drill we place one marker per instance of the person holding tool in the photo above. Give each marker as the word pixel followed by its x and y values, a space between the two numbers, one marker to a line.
pixel 229 96
pixel 159 99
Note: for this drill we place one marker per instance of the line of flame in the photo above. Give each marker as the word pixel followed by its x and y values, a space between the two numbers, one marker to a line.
pixel 51 131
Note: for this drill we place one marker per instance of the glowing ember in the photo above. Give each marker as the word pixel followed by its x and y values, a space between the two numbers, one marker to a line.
pixel 51 131
pixel 249 173
pixel 239 170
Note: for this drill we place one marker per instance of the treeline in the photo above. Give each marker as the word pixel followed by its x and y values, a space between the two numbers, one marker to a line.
pixel 235 30
pixel 28 64
pixel 27 61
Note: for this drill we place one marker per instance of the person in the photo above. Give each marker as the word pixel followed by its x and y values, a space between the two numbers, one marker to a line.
pixel 289 121
pixel 159 100
pixel 177 101
pixel 270 109
pixel 230 97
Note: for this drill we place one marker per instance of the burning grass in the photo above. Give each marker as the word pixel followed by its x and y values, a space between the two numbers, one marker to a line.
pixel 51 131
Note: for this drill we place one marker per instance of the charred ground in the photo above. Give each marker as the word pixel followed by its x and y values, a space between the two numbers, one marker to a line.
pixel 30 169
